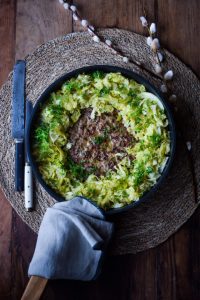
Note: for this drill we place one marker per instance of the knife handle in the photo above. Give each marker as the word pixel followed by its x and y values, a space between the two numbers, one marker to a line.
pixel 19 165
pixel 28 187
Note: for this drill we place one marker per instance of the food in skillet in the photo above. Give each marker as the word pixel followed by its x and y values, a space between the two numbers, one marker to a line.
pixel 101 136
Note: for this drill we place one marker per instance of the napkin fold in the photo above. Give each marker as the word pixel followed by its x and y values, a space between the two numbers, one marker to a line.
pixel 72 239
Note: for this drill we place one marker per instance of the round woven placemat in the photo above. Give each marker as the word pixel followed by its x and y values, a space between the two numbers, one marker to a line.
pixel 154 221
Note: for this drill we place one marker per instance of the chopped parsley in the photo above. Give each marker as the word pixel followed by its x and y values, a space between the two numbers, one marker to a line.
pixel 155 139
pixel 98 140
pixel 132 94
pixel 139 175
pixel 42 133
pixel 104 91
pixel 77 170
pixel 149 170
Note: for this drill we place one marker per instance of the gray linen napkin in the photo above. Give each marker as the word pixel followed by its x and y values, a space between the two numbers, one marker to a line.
pixel 71 242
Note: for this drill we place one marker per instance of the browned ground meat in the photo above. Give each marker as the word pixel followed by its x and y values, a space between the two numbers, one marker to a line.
pixel 95 142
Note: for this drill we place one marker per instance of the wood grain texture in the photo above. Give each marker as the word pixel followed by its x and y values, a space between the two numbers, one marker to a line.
pixel 7 37
pixel 170 271
pixel 180 22
pixel 22 247
pixel 37 22
pixel 115 13
pixel 5 242
pixel 7 49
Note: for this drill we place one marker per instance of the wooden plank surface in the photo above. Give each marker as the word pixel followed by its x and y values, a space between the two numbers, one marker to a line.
pixel 169 271
pixel 37 22
pixel 7 48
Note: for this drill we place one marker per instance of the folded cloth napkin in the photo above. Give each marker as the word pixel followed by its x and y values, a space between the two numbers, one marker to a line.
pixel 72 239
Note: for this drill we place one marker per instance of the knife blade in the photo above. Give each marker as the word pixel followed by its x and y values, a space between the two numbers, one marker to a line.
pixel 18 121
pixel 28 181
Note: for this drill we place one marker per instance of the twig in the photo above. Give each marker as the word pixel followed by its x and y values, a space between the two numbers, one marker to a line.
pixel 108 43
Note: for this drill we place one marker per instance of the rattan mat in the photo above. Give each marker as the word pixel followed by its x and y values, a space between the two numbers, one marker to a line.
pixel 152 222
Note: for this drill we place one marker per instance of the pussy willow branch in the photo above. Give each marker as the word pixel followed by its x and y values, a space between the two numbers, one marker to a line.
pixel 153 43
pixel 108 43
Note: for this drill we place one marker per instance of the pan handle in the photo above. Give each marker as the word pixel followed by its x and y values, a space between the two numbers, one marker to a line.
pixel 35 288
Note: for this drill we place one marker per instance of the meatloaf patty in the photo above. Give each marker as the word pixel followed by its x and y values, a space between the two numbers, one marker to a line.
pixel 99 143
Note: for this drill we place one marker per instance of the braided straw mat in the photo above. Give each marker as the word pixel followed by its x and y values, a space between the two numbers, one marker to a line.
pixel 152 222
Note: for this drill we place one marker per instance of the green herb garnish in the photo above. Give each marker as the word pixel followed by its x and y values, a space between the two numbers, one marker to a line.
pixel 104 91
pixel 139 175
pixel 42 133
pixel 149 170
pixel 98 140
pixel 97 75
pixel 77 170
pixel 132 94
pixel 71 85
pixel 155 139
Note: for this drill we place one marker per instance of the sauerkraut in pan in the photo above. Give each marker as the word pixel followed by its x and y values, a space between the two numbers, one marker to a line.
pixel 101 136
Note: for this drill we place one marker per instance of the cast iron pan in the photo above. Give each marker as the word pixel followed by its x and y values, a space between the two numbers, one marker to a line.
pixel 105 68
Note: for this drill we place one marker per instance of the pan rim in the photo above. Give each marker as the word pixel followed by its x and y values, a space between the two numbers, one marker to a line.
pixel 107 69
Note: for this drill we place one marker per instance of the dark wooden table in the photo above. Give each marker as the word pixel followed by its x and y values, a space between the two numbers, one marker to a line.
pixel 169 271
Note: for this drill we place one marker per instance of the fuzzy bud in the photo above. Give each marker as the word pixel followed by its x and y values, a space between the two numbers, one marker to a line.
pixel 91 27
pixel 155 45
pixel 158 68
pixel 160 57
pixel 152 28
pixel 125 59
pixel 163 88
pixel 96 39
pixel 66 5
pixel 189 145
pixel 75 17
pixel 149 41
pixel 61 1
pixel 84 23
pixel 108 42
pixel 73 8
pixel 90 31
pixel 176 108
pixel 144 21
pixel 168 75
pixel 173 98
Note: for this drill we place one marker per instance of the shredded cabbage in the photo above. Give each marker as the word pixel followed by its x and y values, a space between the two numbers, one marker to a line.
pixel 142 114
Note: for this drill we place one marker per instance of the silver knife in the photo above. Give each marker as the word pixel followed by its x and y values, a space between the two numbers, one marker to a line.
pixel 18 121
pixel 28 181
